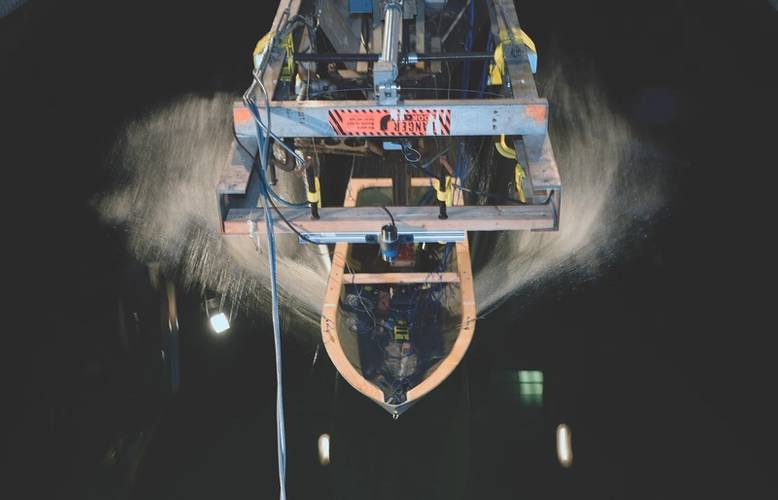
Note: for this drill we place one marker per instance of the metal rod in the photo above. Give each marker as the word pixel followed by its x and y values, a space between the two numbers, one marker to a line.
pixel 442 203
pixel 271 170
pixel 335 58
pixel 456 56
pixel 310 178
pixel 406 59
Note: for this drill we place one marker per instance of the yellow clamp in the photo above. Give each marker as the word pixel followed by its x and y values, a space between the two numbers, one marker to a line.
pixel 497 68
pixel 287 43
pixel 519 182
pixel 314 197
pixel 519 175
pixel 446 194
pixel 505 150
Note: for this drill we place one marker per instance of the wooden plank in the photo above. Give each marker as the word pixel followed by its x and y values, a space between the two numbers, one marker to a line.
pixel 408 219
pixel 329 312
pixel 362 66
pixel 543 169
pixel 420 34
pixel 466 328
pixel 235 174
pixel 277 56
pixel 504 24
pixel 294 8
pixel 437 47
pixel 329 329
pixel 377 36
pixel 340 28
pixel 399 278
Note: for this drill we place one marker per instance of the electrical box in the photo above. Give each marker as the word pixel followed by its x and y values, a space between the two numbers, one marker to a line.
pixel 360 6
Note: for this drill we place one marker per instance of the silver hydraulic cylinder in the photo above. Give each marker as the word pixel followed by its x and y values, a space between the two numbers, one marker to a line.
pixel 386 70
pixel 393 17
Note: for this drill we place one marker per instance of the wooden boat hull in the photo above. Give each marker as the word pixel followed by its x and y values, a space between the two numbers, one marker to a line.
pixel 447 324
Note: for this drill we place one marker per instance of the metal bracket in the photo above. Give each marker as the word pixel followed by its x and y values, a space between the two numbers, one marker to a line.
pixel 372 237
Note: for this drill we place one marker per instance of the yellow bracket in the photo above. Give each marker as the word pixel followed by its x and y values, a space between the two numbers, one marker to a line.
pixel 504 149
pixel 287 43
pixel 497 69
pixel 260 47
pixel 314 197
pixel 519 174
pixel 447 194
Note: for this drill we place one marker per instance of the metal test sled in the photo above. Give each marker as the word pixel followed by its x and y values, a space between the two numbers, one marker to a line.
pixel 420 122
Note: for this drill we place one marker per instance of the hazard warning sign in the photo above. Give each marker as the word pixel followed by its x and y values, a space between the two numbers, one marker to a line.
pixel 390 122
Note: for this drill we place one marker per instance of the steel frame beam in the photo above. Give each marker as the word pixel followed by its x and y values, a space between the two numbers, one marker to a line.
pixel 469 117
pixel 522 115
pixel 413 220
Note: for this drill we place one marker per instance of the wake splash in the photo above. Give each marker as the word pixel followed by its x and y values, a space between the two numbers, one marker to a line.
pixel 610 182
pixel 167 163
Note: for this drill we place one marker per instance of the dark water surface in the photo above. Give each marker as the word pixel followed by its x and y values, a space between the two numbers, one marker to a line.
pixel 659 357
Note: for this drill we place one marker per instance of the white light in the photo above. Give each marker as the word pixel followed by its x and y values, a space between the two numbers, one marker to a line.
pixel 564 445
pixel 324 449
pixel 530 377
pixel 220 323
pixel 531 387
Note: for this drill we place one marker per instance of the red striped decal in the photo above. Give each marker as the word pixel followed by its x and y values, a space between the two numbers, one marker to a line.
pixel 380 122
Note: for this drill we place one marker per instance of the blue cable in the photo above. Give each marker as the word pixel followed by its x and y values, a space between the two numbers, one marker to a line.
pixel 264 191
pixel 284 202
pixel 263 163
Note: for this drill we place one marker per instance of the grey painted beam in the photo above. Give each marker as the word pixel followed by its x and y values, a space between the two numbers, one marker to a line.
pixel 358 219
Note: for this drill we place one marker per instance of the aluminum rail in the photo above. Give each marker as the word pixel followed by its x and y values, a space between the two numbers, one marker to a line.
pixel 410 58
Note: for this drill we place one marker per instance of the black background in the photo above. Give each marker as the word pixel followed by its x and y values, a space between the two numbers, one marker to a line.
pixel 668 367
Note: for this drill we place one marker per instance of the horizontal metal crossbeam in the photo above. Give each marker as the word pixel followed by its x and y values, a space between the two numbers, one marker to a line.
pixel 465 117
pixel 415 220
pixel 403 278
pixel 372 237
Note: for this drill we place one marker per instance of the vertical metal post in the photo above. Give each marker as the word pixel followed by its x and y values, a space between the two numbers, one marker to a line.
pixel 271 170
pixel 442 197
pixel 313 194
